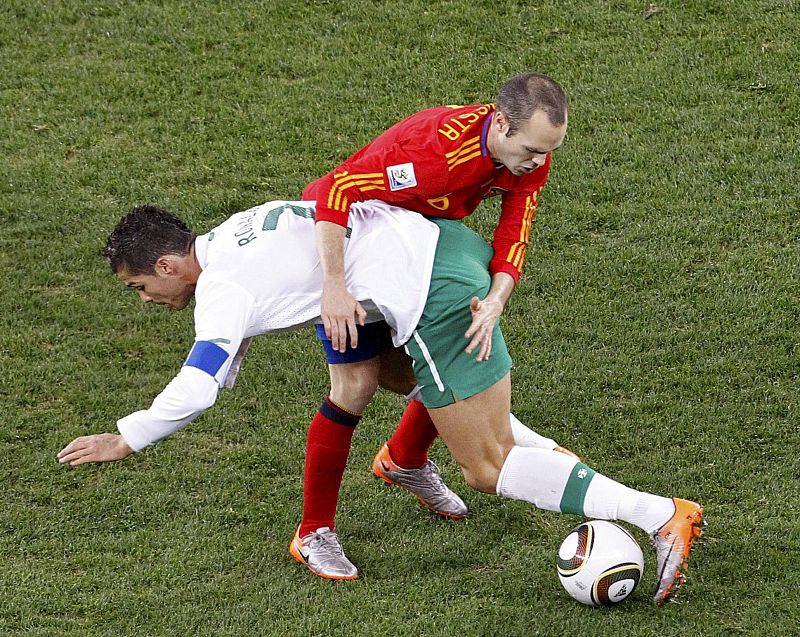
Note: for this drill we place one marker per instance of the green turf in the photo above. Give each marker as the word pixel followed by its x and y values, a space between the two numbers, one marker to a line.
pixel 655 330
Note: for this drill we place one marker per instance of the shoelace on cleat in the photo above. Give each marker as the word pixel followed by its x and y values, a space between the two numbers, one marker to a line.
pixel 432 473
pixel 329 541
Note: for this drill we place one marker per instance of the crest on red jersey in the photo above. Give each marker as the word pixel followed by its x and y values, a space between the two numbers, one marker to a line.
pixel 401 176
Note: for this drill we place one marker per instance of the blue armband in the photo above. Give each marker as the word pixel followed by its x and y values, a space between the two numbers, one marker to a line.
pixel 207 356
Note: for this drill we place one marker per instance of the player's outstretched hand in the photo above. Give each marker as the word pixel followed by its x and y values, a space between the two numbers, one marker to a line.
pixel 485 313
pixel 340 312
pixel 95 448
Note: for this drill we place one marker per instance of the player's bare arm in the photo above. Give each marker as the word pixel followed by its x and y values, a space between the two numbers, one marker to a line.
pixel 485 314
pixel 338 309
pixel 96 448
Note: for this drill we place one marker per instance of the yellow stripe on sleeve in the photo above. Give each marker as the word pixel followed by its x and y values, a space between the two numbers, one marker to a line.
pixel 476 153
pixel 520 258
pixel 343 181
pixel 516 255
pixel 469 142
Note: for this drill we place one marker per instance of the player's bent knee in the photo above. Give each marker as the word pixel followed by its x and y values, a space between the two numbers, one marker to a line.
pixel 483 479
pixel 353 385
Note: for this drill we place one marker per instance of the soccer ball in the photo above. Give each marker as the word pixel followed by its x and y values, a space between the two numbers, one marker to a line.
pixel 599 563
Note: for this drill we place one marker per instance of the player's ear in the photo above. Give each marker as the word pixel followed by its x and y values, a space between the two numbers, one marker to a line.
pixel 501 122
pixel 165 265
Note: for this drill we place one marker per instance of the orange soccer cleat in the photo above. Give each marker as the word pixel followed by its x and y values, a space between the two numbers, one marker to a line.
pixel 673 543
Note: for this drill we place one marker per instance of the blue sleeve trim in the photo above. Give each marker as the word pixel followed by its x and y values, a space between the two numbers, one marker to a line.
pixel 207 356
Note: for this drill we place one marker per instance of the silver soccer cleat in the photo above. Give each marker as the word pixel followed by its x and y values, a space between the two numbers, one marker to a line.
pixel 321 551
pixel 426 483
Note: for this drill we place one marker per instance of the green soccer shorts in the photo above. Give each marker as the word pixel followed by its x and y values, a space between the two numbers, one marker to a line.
pixel 445 372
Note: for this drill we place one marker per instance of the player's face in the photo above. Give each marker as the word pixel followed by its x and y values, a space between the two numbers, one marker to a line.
pixel 526 149
pixel 162 288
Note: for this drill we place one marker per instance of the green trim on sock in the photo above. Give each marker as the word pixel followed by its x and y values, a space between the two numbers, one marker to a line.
pixel 575 491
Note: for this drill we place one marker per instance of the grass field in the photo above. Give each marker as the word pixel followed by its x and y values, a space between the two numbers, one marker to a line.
pixel 655 330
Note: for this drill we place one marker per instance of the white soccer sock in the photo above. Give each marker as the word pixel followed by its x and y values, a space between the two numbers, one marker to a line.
pixel 607 499
pixel 527 437
pixel 538 476
pixel 557 482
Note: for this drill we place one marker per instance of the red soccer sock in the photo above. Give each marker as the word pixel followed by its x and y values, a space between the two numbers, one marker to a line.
pixel 327 448
pixel 413 436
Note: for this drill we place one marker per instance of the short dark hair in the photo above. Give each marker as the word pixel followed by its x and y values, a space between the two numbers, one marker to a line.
pixel 142 236
pixel 526 93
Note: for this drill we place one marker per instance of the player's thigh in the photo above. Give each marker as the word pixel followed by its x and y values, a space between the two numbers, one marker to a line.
pixel 477 432
pixel 354 372
pixel 396 371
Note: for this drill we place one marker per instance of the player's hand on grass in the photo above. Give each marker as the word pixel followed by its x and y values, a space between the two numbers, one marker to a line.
pixel 485 313
pixel 340 313
pixel 95 448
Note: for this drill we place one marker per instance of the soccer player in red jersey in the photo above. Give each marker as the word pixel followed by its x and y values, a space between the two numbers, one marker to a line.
pixel 440 162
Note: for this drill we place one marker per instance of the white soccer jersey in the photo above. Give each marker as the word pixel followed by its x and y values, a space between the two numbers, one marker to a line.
pixel 261 274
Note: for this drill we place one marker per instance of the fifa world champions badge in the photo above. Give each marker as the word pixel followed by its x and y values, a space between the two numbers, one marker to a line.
pixel 401 176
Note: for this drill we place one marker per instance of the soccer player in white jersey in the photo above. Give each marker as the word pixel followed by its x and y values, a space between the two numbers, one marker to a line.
pixel 404 269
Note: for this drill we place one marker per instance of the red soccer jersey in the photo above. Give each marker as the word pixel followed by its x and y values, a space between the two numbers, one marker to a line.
pixel 436 163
